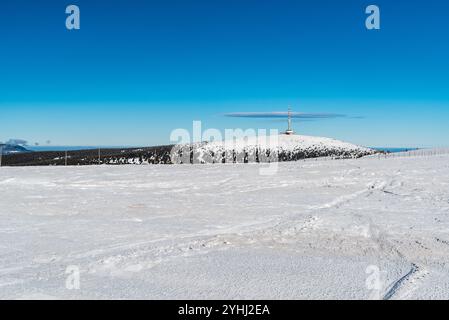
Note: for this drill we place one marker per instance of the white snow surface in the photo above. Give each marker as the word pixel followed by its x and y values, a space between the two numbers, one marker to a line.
pixel 284 143
pixel 287 143
pixel 310 231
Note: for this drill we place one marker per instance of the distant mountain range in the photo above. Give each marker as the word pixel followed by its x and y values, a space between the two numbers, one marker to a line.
pixel 6 149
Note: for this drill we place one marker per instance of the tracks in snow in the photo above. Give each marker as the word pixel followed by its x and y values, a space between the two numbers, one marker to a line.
pixel 146 256
pixel 372 186
pixel 141 256
pixel 407 284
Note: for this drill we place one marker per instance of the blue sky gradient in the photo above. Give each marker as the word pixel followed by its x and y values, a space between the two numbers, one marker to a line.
pixel 139 69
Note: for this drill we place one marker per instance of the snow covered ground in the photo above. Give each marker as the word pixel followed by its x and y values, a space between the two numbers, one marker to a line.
pixel 311 231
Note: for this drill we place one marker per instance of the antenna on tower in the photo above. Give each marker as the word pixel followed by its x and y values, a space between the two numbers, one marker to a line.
pixel 289 129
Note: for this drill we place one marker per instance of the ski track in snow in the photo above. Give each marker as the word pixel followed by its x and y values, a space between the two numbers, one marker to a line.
pixel 144 232
pixel 404 287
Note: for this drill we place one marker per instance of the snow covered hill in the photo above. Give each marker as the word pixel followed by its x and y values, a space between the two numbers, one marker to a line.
pixel 271 148
pixel 12 149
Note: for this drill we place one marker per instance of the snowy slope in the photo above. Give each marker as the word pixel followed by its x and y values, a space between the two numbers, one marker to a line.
pixel 311 231
pixel 282 147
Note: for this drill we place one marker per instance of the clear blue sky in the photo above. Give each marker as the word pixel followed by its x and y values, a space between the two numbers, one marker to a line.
pixel 138 69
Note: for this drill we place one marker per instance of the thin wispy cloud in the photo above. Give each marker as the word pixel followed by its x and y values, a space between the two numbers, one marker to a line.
pixel 19 142
pixel 276 115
